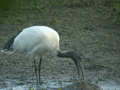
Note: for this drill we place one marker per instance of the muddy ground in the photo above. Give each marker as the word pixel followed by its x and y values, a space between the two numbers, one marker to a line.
pixel 91 30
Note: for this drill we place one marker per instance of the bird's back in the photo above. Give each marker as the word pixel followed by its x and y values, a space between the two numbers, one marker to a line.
pixel 36 40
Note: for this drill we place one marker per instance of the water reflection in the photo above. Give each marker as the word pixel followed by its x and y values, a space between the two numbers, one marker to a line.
pixel 64 84
pixel 109 85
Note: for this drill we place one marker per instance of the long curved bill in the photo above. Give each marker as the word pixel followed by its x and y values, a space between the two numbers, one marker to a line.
pixel 79 66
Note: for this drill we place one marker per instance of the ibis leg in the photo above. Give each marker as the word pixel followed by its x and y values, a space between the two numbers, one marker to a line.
pixel 39 69
pixel 35 70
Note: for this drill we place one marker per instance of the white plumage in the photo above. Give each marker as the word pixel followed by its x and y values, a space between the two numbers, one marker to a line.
pixel 36 41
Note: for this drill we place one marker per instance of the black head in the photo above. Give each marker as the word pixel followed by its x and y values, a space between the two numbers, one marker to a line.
pixel 76 56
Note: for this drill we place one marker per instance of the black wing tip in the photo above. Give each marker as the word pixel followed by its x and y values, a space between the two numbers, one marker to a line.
pixel 9 43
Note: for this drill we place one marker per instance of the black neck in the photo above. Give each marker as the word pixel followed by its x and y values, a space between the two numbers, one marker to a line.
pixel 65 54
pixel 73 54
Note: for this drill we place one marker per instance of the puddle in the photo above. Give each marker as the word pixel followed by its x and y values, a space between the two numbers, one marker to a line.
pixel 109 85
pixel 56 85
pixel 47 84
